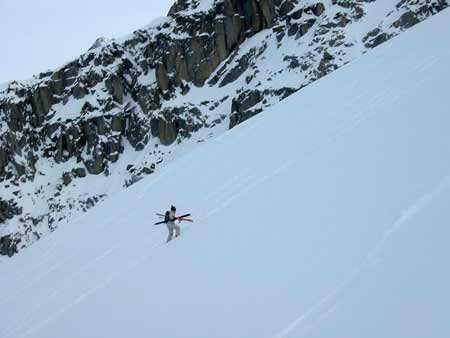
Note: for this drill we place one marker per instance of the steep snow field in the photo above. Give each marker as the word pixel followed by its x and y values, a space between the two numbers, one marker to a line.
pixel 325 216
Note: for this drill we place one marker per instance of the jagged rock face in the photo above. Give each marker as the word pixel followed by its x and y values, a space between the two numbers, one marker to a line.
pixel 8 245
pixel 109 79
pixel 210 65
pixel 8 210
pixel 213 35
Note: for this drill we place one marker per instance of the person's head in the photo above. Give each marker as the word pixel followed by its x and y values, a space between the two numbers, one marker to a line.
pixel 172 208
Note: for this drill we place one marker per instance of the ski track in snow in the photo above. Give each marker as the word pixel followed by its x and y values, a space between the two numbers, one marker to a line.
pixel 222 188
pixel 91 290
pixel 28 318
pixel 59 264
pixel 44 258
pixel 125 215
pixel 39 278
pixel 51 294
pixel 239 181
pixel 12 331
pixel 322 308
pixel 162 173
pixel 242 183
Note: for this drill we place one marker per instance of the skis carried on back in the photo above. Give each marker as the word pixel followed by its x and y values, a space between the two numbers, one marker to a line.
pixel 178 218
pixel 182 216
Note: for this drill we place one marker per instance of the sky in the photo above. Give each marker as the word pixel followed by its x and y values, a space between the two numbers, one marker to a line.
pixel 39 35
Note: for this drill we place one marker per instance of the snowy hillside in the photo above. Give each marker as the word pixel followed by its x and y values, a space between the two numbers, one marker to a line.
pixel 72 137
pixel 331 221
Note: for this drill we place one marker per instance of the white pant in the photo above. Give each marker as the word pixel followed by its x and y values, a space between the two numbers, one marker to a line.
pixel 171 226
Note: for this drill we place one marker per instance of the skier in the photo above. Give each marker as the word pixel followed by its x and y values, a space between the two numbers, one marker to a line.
pixel 169 219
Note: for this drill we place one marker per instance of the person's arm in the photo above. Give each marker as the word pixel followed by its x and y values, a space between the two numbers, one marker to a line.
pixel 172 216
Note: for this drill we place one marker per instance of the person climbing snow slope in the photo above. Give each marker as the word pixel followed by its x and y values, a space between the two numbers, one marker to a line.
pixel 169 219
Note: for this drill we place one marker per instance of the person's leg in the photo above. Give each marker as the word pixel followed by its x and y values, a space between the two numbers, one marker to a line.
pixel 170 228
pixel 177 230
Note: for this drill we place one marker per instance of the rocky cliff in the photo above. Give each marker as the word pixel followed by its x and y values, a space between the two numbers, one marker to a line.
pixel 70 137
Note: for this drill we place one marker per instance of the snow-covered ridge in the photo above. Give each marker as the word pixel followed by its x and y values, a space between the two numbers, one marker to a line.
pixel 71 137
pixel 191 7
pixel 335 226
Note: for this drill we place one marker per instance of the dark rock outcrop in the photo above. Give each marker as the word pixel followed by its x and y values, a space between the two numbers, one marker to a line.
pixel 8 245
pixel 251 102
pixel 8 209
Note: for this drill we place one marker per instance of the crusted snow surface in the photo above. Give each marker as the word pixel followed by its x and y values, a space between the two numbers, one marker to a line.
pixel 292 63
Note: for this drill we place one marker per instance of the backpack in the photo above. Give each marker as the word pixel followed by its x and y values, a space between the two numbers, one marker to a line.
pixel 166 217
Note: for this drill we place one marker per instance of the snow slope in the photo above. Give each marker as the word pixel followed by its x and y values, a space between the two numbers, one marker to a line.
pixel 334 225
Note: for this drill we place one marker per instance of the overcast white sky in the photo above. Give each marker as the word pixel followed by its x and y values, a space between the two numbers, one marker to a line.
pixel 36 35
